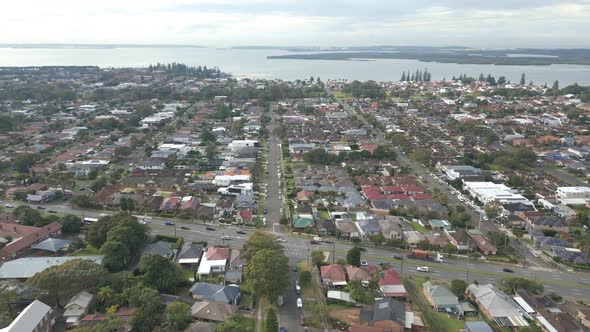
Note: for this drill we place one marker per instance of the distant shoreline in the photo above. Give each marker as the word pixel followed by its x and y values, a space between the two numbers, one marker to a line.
pixel 95 46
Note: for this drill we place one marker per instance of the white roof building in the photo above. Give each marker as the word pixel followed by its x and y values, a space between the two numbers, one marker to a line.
pixel 489 191
pixel 35 317
pixel 573 195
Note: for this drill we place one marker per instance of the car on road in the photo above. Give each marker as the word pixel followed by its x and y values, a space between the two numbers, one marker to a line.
pixel 328 241
pixel 422 268
pixel 398 257
pixel 362 248
pixel 299 303
pixel 225 237
pixel 209 228
pixel 169 223
pixel 241 232
pixel 314 242
pixel 282 240
pixel 265 211
pixel 40 207
pixel 184 227
pixel 10 206
pixel 294 268
pixel 51 211
pixel 282 329
pixel 508 270
pixel 364 263
pixel 103 215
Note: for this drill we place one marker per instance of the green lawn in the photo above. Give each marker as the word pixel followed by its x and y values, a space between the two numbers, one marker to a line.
pixel 417 227
pixel 325 215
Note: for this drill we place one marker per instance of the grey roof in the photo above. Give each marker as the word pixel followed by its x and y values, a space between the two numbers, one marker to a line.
pixel 201 327
pixel 161 248
pixel 29 318
pixel 477 326
pixel 440 294
pixel 233 276
pixel 389 309
pixel 51 244
pixel 23 268
pixel 190 250
pixel 216 293
pixel 82 299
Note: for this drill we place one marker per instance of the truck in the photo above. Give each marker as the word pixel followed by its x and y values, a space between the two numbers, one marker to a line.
pixel 425 255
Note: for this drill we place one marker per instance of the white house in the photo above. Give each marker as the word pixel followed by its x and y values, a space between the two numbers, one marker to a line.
pixel 214 260
pixel 240 144
pixel 573 195
pixel 77 307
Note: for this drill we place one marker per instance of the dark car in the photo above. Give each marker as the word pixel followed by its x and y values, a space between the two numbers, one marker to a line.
pixel 51 211
pixel 184 227
pixel 240 232
pixel 314 242
pixel 508 270
pixel 169 223
pixel 40 207
pixel 294 268
pixel 209 228
pixel 362 248
pixel 327 241
pixel 398 257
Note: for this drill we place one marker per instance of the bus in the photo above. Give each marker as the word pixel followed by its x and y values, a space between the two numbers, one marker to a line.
pixel 88 220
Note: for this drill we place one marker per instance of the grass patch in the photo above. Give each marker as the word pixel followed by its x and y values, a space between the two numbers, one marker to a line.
pixel 417 227
pixel 88 251
pixel 443 321
pixel 324 215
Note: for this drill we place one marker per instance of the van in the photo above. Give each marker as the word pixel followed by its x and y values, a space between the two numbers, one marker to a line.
pixel 317 238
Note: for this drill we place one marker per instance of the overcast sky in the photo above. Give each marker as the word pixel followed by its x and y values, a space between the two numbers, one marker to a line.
pixel 490 24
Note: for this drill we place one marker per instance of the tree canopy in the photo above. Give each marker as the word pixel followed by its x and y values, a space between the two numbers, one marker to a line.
pixel 353 256
pixel 160 273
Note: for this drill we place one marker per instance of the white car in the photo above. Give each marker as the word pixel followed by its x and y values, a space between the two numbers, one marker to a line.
pixel 9 206
pixel 364 263
pixel 299 303
pixel 422 268
pixel 225 237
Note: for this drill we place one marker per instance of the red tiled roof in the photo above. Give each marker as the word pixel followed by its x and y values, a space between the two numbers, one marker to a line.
pixel 390 277
pixel 334 272
pixel 217 253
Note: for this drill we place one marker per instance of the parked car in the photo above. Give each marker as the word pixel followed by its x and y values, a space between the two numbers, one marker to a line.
pixel 364 263
pixel 40 207
pixel 314 242
pixel 225 237
pixel 10 206
pixel 241 232
pixel 51 211
pixel 294 268
pixel 209 228
pixel 397 257
pixel 184 227
pixel 282 329
pixel 422 268
pixel 299 303
pixel 328 241
pixel 508 270
pixel 169 223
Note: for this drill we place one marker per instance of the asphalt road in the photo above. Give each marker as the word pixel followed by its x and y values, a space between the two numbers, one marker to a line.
pixel 273 201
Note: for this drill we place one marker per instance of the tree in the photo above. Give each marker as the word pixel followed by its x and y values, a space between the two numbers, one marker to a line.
pixel 458 287
pixel 116 255
pixel 266 273
pixel 148 308
pixel 317 257
pixel 105 295
pixel 60 282
pixel 403 77
pixel 515 283
pixel 522 79
pixel 271 323
pixel 27 215
pixel 258 241
pixel 353 256
pixel 70 223
pixel 23 162
pixel 96 233
pixel 377 238
pixel 493 209
pixel 422 155
pixel 177 316
pixel 424 245
pixel 236 324
pixel 584 245
pixel 555 86
pixel 305 277
pixel 160 273
pixel 98 184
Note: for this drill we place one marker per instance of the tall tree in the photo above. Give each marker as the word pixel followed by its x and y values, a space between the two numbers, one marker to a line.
pixel 522 79
pixel 177 316
pixel 353 256
pixel 160 273
pixel 403 77
pixel 60 282
pixel 258 241
pixel 148 308
pixel 266 273
pixel 555 86
pixel 317 257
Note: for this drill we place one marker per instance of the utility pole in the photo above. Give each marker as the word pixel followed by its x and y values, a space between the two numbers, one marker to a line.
pixel 402 268
pixel 333 251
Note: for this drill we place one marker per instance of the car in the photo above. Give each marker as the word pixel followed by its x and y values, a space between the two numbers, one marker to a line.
pixel 294 268
pixel 328 241
pixel 103 215
pixel 209 228
pixel 241 232
pixel 10 206
pixel 362 248
pixel 299 303
pixel 184 227
pixel 51 211
pixel 265 211
pixel 422 268
pixel 40 207
pixel 314 242
pixel 225 237
pixel 397 257
pixel 169 223
pixel 282 329
pixel 364 263
pixel 508 270
pixel 535 254
pixel 282 240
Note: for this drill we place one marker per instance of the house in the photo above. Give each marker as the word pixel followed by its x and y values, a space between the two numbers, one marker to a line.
pixel 161 248
pixel 440 225
pixel 584 316
pixel 389 229
pixel 213 311
pixel 189 204
pixel 368 227
pixel 23 237
pixel 477 326
pixel 358 273
pixel 484 245
pixel 388 314
pixel 26 267
pixel 244 216
pixel 462 240
pixel 556 320
pixel 413 238
pixel 496 306
pixel 235 261
pixel 170 204
pixel 154 163
pixel 37 317
pixel 213 261
pixel 190 253
pixel 339 296
pixel 201 327
pixel 204 291
pixel 301 222
pixel 333 275
pixel 77 307
pixel 440 297
pixel 391 284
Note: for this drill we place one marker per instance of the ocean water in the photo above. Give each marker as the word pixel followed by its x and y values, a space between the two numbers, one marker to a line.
pixel 253 63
